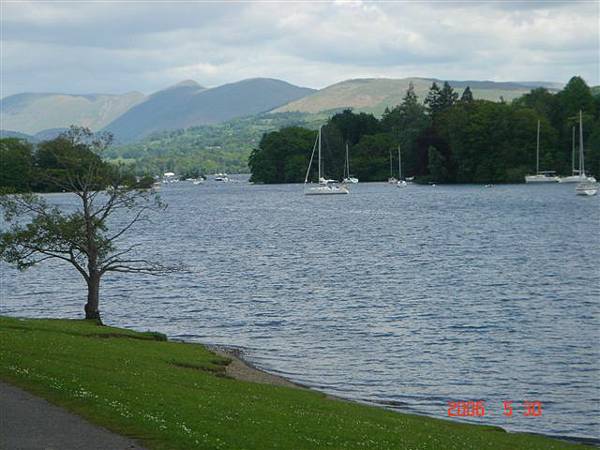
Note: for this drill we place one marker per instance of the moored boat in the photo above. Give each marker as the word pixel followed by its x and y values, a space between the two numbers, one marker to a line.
pixel 325 186
pixel 547 176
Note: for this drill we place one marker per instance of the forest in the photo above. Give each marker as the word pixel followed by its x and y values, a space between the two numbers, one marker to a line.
pixel 444 139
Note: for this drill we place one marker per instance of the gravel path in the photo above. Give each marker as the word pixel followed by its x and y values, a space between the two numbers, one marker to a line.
pixel 31 423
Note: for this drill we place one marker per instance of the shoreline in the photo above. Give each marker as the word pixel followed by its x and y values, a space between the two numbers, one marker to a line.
pixel 171 395
pixel 243 370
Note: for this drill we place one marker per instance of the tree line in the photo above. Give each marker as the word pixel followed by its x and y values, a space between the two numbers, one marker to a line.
pixel 48 166
pixel 449 138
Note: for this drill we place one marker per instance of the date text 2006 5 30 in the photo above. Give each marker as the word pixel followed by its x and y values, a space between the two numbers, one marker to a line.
pixel 476 408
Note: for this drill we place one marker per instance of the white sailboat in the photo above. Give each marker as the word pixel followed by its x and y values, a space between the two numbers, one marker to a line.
pixel 587 187
pixel 540 177
pixel 576 175
pixel 401 182
pixel 392 179
pixel 348 179
pixel 325 186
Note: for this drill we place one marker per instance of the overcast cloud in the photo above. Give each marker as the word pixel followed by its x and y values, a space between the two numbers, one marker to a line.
pixel 115 47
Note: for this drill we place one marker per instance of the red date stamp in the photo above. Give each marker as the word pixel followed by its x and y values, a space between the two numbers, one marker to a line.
pixel 476 408
pixel 469 408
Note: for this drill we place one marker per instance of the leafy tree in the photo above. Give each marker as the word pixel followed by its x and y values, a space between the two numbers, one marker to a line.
pixel 84 238
pixel 575 96
pixel 539 99
pixel 16 164
pixel 447 98
pixel 467 96
pixel 282 156
pixel 432 101
pixel 352 126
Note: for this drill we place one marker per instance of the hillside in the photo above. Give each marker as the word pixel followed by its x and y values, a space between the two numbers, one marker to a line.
pixel 208 148
pixel 186 105
pixel 32 113
pixel 375 94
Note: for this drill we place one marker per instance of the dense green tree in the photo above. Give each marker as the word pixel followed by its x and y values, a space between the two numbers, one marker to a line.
pixel 467 95
pixel 16 165
pixel 447 98
pixel 541 100
pixel 432 101
pixel 371 157
pixel 282 156
pixel 437 166
pixel 352 126
pixel 575 96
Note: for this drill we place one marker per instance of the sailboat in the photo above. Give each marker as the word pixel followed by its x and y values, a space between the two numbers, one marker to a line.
pixel 401 181
pixel 588 187
pixel 349 179
pixel 576 175
pixel 540 177
pixel 325 186
pixel 391 179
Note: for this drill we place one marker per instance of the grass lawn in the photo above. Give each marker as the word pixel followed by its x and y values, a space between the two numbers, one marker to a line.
pixel 176 396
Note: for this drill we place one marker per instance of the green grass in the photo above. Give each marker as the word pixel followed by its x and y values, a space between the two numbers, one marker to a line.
pixel 176 396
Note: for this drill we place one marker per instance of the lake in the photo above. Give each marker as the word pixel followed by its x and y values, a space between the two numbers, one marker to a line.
pixel 408 298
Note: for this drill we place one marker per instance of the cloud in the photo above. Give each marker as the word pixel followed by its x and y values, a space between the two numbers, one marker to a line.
pixel 119 47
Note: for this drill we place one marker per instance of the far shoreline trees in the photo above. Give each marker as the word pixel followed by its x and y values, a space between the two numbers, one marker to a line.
pixel 470 141
pixel 38 231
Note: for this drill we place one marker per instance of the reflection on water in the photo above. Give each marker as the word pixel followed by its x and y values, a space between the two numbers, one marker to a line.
pixel 405 297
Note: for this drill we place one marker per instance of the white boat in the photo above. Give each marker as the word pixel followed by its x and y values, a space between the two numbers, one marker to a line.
pixel 401 182
pixel 348 179
pixel 587 187
pixel 325 186
pixel 222 177
pixel 540 177
pixel 198 181
pixel 576 175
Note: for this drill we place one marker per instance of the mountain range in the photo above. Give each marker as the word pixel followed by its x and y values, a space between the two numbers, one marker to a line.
pixel 133 116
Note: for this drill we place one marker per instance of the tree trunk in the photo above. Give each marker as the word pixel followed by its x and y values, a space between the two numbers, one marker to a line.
pixel 93 300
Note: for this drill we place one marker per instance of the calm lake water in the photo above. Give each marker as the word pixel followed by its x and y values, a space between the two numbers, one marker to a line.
pixel 408 298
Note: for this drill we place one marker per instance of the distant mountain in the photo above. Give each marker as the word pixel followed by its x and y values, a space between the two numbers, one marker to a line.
pixel 32 113
pixel 44 135
pixel 188 104
pixel 375 94
pixel 16 134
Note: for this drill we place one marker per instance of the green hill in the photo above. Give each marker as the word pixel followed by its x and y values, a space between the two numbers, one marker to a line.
pixel 32 113
pixel 375 94
pixel 208 148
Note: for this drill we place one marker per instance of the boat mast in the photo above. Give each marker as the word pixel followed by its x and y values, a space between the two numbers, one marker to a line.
pixel 320 127
pixel 573 152
pixel 399 164
pixel 537 154
pixel 312 156
pixel 391 170
pixel 581 161
pixel 347 162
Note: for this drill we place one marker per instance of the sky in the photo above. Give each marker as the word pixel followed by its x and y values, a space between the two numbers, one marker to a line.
pixel 121 46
